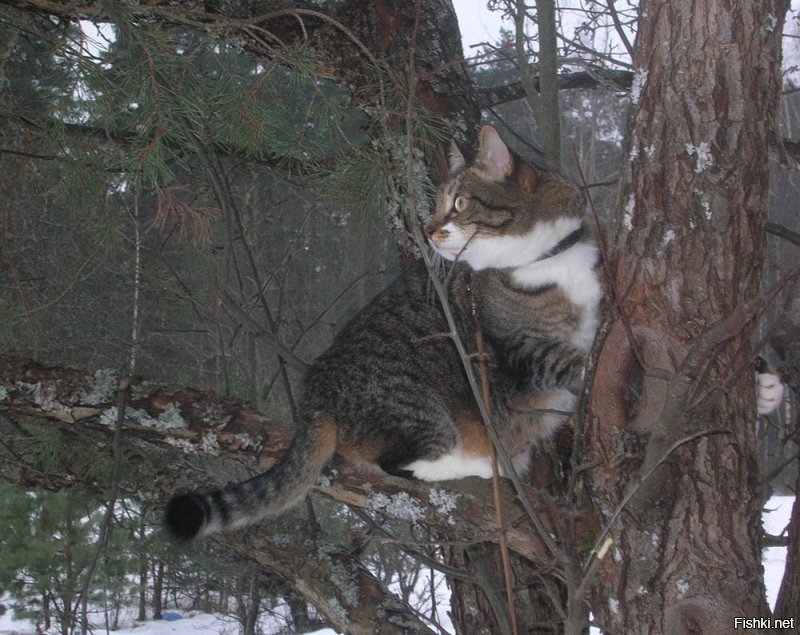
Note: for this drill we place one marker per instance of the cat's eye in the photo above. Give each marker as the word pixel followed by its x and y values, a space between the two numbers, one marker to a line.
pixel 460 204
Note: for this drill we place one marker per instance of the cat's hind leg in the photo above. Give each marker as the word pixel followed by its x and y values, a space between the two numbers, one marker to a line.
pixel 469 454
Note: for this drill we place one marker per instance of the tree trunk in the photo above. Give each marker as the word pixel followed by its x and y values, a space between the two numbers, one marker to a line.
pixel 670 424
pixel 46 610
pixel 144 564
pixel 480 605
pixel 69 589
pixel 158 590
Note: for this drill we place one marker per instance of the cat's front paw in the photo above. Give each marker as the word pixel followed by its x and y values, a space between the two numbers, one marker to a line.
pixel 769 389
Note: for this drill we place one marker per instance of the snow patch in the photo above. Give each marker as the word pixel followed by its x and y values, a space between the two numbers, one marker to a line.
pixel 706 204
pixel 282 541
pixel 634 151
pixel 638 84
pixel 702 152
pixel 245 441
pixel 772 24
pixel 326 480
pixel 630 207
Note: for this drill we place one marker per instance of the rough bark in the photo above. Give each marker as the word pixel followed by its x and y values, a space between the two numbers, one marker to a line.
pixel 672 397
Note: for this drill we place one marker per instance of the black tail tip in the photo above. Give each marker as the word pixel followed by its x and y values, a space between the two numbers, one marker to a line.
pixel 184 517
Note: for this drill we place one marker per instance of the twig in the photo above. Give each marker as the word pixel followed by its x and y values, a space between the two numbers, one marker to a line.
pixel 505 460
pixel 137 278
pixel 123 395
pixel 221 189
pixel 500 452
pixel 618 26
pixel 601 545
pixel 776 229
pixel 458 574
pixel 64 291
pixel 254 327
pixel 498 508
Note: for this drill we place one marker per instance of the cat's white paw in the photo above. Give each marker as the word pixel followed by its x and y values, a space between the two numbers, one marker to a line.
pixel 769 392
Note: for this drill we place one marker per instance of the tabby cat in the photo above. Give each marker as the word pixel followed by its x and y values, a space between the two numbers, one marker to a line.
pixel 391 390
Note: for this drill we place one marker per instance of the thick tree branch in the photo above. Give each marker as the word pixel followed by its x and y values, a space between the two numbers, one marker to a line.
pixel 175 440
pixel 608 79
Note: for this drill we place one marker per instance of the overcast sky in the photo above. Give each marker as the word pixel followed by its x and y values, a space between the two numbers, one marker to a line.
pixel 477 23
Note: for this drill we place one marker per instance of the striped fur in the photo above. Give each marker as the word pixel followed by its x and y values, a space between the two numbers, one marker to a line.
pixel 391 389
pixel 538 303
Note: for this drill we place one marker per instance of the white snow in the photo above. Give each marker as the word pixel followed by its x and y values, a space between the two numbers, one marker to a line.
pixel 703 155
pixel 639 82
pixel 669 236
pixel 775 520
pixel 630 208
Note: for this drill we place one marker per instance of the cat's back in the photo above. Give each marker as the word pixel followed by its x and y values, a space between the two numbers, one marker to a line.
pixel 394 350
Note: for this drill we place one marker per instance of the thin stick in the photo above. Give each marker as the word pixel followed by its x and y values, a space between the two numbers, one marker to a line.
pixel 498 508
pixel 123 393
pixel 600 548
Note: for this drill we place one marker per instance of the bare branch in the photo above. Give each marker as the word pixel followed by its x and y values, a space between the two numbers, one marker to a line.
pixel 776 229
pixel 618 26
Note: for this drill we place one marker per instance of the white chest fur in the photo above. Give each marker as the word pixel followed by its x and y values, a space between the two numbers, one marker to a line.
pixel 574 272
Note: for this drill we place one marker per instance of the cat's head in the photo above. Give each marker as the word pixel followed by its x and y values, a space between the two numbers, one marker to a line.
pixel 499 212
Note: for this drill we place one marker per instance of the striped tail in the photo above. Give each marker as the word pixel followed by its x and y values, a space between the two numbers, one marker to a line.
pixel 194 515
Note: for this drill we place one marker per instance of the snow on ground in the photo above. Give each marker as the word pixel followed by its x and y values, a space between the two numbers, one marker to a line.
pixel 775 519
pixel 190 623
pixel 200 623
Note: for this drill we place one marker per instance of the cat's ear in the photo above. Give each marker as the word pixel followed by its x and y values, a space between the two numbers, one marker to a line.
pixel 494 157
pixel 456 159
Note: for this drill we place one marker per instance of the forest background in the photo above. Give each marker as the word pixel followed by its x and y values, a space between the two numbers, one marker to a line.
pixel 191 202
